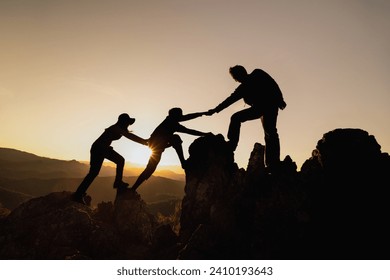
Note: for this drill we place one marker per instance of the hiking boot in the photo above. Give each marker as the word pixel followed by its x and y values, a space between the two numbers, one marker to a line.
pixel 78 198
pixel 120 185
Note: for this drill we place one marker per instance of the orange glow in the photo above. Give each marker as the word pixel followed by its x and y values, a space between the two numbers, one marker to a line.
pixel 140 155
pixel 65 77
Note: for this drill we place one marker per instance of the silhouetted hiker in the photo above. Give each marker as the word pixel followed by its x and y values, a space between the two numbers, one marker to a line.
pixel 163 137
pixel 262 93
pixel 101 149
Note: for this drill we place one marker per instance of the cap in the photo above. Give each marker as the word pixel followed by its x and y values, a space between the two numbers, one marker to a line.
pixel 125 118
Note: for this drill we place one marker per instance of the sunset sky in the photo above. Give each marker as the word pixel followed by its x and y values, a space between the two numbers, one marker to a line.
pixel 68 68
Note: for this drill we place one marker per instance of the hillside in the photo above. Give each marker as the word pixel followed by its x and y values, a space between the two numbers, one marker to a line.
pixel 25 175
pixel 156 189
pixel 11 199
pixel 15 164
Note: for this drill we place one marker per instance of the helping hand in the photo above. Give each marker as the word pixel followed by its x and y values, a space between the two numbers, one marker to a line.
pixel 210 112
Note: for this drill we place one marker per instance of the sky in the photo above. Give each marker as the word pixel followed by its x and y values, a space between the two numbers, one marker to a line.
pixel 68 68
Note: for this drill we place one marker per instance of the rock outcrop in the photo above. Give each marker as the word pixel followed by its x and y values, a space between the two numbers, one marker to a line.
pixel 54 227
pixel 230 213
pixel 347 178
pixel 335 207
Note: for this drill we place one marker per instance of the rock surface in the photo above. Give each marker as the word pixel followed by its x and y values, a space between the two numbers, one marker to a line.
pixel 335 207
pixel 54 227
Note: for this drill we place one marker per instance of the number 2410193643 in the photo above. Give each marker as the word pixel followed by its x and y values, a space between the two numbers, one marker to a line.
pixel 241 270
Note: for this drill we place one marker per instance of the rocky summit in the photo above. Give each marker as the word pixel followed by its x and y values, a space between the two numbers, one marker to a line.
pixel 335 207
pixel 55 227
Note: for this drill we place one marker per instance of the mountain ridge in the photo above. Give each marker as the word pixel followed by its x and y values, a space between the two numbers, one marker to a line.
pixel 25 175
pixel 20 164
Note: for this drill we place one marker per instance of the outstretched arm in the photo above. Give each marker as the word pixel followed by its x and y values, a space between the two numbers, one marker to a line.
pixel 134 137
pixel 192 116
pixel 235 96
pixel 193 131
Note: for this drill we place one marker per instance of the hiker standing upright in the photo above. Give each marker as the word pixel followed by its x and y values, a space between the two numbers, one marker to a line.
pixel 262 93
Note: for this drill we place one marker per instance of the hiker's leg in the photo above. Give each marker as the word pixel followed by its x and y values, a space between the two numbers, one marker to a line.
pixel 235 124
pixel 150 168
pixel 120 164
pixel 271 137
pixel 176 144
pixel 96 162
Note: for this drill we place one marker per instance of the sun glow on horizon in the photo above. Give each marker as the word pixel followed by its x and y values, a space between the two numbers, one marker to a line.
pixel 68 69
pixel 140 155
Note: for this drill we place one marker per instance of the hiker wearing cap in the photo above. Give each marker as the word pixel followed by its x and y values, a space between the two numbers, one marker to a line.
pixel 164 136
pixel 260 91
pixel 101 149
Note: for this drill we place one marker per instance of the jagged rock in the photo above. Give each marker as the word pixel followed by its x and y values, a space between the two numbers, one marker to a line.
pixel 336 207
pixel 348 152
pixel 209 174
pixel 164 235
pixel 256 169
pixel 237 205
pixel 47 227
pixel 105 212
pixel 204 244
pixel 54 227
pixel 132 218
pixel 348 179
pixel 256 166
pixel 312 168
pixel 165 243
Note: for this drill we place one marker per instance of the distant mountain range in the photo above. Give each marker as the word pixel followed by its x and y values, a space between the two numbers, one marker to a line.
pixel 24 176
pixel 18 164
